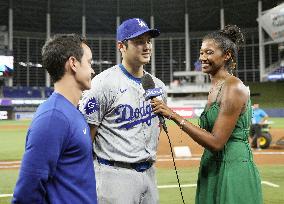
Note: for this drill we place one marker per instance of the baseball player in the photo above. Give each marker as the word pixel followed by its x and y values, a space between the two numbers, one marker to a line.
pixel 124 129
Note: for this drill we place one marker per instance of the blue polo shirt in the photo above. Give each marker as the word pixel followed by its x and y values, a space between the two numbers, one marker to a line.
pixel 258 114
pixel 57 165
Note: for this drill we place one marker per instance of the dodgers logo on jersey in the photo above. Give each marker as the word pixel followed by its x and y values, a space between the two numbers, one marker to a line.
pixel 91 106
pixel 135 116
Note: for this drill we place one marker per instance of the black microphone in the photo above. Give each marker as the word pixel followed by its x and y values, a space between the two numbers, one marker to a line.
pixel 152 92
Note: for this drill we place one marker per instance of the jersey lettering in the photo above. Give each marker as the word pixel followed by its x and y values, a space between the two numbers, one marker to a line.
pixel 142 114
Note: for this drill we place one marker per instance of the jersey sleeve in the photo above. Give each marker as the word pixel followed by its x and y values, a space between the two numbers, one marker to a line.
pixel 95 102
pixel 164 96
pixel 45 142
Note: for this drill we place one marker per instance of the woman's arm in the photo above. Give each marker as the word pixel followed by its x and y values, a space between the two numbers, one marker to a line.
pixel 234 98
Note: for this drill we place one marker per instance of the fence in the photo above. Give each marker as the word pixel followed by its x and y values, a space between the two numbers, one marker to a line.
pixel 170 57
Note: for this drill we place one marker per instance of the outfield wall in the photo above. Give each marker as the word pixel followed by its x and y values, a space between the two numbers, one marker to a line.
pixel 24 109
pixel 274 112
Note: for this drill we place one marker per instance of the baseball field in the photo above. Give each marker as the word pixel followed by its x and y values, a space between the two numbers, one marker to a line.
pixel 270 163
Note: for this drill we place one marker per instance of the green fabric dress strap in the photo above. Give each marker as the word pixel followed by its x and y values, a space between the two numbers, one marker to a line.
pixel 219 91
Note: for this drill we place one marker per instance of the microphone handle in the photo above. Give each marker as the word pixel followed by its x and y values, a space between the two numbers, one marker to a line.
pixel 163 122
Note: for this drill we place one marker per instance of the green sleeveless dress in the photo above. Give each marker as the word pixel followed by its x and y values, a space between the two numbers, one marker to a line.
pixel 228 176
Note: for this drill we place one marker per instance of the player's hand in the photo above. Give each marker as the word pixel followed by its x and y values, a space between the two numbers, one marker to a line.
pixel 159 107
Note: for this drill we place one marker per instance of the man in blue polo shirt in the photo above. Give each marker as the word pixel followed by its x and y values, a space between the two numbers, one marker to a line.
pixel 258 119
pixel 57 165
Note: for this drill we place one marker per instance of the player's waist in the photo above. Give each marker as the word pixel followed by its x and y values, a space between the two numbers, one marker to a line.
pixel 125 151
pixel 139 167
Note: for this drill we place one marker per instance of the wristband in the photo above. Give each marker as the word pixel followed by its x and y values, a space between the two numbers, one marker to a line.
pixel 171 115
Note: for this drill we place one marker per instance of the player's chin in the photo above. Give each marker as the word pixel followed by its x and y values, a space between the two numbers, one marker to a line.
pixel 145 60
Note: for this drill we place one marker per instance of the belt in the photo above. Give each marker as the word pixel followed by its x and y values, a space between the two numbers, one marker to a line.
pixel 139 167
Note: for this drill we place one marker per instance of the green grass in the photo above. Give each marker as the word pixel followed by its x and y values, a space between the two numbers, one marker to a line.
pixel 271 94
pixel 172 195
pixel 12 144
pixel 273 174
pixel 12 147
pixel 15 122
pixel 8 180
pixel 277 122
pixel 271 195
pixel 13 139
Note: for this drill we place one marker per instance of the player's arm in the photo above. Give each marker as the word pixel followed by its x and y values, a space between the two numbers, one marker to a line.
pixel 264 117
pixel 93 131
pixel 44 143
pixel 93 104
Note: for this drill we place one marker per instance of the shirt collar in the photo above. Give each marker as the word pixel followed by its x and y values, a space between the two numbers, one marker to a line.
pixel 130 76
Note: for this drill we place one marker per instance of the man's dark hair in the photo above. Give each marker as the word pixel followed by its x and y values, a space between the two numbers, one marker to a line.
pixel 125 42
pixel 57 50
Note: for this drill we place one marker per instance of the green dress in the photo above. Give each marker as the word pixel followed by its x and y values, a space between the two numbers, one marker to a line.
pixel 228 176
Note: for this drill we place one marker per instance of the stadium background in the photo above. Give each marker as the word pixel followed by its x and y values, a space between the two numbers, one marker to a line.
pixel 25 25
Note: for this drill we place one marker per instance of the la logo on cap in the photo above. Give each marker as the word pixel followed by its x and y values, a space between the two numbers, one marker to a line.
pixel 134 27
pixel 141 23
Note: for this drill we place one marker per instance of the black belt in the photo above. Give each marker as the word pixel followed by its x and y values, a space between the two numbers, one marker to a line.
pixel 140 167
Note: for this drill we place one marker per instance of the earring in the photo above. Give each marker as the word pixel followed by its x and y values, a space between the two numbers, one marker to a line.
pixel 231 71
pixel 233 64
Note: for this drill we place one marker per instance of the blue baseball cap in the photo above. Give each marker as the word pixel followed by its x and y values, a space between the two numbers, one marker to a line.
pixel 134 27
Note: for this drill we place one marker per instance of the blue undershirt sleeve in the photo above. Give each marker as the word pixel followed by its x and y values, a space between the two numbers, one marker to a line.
pixel 45 142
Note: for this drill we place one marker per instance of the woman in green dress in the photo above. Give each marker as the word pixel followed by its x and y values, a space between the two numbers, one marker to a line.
pixel 227 173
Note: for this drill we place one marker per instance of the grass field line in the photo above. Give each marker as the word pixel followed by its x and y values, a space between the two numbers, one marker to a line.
pixel 270 184
pixel 194 185
pixel 162 157
pixel 174 186
pixel 269 153
pixel 10 167
pixel 180 159
pixel 199 155
pixel 168 155
pixel 5 195
pixel 10 162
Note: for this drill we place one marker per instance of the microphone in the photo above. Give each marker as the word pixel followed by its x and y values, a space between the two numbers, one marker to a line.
pixel 152 92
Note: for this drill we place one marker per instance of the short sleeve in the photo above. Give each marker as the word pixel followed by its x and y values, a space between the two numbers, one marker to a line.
pixel 95 102
pixel 164 96
pixel 263 114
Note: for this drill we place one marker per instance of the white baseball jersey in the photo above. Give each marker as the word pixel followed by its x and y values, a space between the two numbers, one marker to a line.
pixel 128 130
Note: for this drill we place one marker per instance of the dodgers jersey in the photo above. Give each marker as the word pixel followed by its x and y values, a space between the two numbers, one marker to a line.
pixel 128 130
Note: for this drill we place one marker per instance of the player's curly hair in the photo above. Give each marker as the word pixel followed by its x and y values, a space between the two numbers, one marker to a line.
pixel 58 50
pixel 229 39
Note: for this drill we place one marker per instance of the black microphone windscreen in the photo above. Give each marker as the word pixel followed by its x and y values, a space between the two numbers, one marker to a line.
pixel 147 82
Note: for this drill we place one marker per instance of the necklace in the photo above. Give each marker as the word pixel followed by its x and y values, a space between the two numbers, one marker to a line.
pixel 217 85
